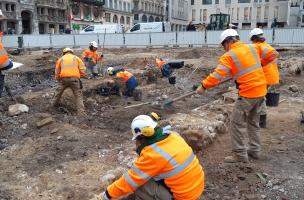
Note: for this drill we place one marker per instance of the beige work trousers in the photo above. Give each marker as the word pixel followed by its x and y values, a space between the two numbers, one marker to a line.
pixel 245 119
pixel 74 85
pixel 152 191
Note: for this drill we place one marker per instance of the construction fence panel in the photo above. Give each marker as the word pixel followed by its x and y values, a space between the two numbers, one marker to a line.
pixel 213 37
pixel 61 41
pixel 30 41
pixel 10 41
pixel 111 40
pixel 298 37
pixel 163 39
pixel 283 36
pixel 85 39
pixel 268 35
pixel 244 35
pixel 137 39
pixel 185 39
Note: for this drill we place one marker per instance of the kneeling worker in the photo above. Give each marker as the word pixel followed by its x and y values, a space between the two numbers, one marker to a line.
pixel 165 169
pixel 126 77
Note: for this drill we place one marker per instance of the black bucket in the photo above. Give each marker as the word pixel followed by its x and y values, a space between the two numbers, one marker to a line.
pixel 272 99
pixel 1 84
pixel 172 80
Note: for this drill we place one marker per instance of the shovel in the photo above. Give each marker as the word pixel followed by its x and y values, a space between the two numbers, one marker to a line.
pixel 170 102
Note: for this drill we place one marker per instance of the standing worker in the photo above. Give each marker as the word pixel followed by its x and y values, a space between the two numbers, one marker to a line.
pixel 165 169
pixel 69 70
pixel 242 63
pixel 91 57
pixel 129 80
pixel 268 55
pixel 5 62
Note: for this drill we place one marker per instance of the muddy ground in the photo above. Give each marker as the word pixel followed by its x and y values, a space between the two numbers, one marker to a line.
pixel 68 158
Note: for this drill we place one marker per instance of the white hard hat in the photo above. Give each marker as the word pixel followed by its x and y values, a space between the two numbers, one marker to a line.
pixel 255 31
pixel 66 50
pixel 94 44
pixel 140 122
pixel 228 33
pixel 110 70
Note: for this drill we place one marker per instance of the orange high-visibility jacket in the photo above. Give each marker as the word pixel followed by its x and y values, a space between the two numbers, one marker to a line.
pixel 4 59
pixel 242 63
pixel 160 63
pixel 124 75
pixel 171 160
pixel 69 65
pixel 87 53
pixel 269 61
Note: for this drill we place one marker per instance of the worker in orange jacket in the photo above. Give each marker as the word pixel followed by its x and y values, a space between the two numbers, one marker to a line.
pixel 69 70
pixel 165 169
pixel 5 62
pixel 242 63
pixel 269 61
pixel 91 58
pixel 128 79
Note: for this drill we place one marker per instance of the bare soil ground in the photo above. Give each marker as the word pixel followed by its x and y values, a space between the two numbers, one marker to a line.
pixel 68 158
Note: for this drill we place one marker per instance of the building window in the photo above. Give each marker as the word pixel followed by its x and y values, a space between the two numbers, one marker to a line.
pixel 128 21
pixel 7 7
pixel 120 5
pixel 13 7
pixel 108 17
pixel 207 2
pixel 144 18
pixel 276 12
pixel 266 0
pixel 151 19
pixel 129 7
pixel 258 13
pixel 115 19
pixel 216 1
pixel 244 1
pixel 227 1
pixel 125 6
pixel 250 13
pixel 266 12
pixel 246 13
pixel 122 20
pixel 232 13
pixel 237 13
pixel 110 3
pixel 136 17
pixel 193 14
pixel 302 18
pixel 205 15
pixel 192 2
pixel 201 13
pixel 115 4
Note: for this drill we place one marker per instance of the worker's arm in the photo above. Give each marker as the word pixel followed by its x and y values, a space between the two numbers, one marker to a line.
pixel 100 57
pixel 267 53
pixel 141 171
pixel 58 69
pixel 220 73
pixel 81 67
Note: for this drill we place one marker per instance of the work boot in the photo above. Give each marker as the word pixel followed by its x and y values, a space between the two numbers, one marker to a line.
pixel 236 159
pixel 262 122
pixel 254 155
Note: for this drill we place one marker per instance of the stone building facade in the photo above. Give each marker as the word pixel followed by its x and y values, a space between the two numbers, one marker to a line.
pixel 149 11
pixel 34 16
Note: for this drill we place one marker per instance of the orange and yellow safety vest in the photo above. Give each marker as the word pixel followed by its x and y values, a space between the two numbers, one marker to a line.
pixel 269 61
pixel 4 59
pixel 124 75
pixel 87 53
pixel 69 65
pixel 242 63
pixel 171 160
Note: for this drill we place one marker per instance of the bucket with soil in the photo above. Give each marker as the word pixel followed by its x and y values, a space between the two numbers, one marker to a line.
pixel 272 99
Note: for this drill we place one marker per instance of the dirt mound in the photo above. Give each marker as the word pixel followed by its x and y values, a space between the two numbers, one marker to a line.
pixel 194 53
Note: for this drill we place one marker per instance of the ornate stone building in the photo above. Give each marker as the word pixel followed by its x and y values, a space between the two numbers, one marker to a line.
pixel 33 17
pixel 149 10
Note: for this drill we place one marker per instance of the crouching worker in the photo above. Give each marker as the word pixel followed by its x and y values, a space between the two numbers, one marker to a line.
pixel 167 68
pixel 165 169
pixel 69 70
pixel 127 78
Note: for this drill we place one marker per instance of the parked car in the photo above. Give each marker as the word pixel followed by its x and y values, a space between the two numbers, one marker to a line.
pixel 102 28
pixel 157 27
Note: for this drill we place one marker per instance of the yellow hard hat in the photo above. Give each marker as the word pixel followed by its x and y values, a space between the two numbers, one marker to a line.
pixel 66 50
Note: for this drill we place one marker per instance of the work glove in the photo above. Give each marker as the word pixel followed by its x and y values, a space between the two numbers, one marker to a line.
pixel 195 86
pixel 200 90
pixel 101 196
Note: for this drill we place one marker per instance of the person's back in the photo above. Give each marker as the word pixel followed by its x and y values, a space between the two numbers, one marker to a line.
pixel 69 65
pixel 4 58
pixel 124 75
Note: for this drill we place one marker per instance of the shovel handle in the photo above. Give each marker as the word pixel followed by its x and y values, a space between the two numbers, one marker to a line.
pixel 181 97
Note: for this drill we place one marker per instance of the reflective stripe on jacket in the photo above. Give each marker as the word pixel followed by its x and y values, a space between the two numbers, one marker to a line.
pixel 172 160
pixel 124 75
pixel 69 65
pixel 87 53
pixel 242 63
pixel 4 59
pixel 269 60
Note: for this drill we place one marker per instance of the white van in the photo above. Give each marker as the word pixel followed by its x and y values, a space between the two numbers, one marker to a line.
pixel 150 27
pixel 101 28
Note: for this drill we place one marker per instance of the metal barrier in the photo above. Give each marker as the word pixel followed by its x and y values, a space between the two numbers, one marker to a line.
pixel 281 37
